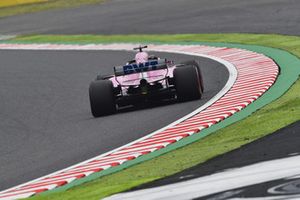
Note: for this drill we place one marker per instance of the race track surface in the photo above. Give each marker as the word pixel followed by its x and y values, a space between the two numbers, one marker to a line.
pixel 157 16
pixel 45 119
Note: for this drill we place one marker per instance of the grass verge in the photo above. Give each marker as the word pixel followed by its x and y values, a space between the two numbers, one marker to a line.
pixel 276 115
pixel 42 5
pixel 7 3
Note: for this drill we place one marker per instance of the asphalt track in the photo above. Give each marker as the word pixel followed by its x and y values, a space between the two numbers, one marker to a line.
pixel 167 16
pixel 45 119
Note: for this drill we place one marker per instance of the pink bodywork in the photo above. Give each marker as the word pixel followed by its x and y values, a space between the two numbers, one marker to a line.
pixel 151 76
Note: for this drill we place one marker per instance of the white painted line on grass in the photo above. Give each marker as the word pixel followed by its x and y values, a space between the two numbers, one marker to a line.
pixel 219 182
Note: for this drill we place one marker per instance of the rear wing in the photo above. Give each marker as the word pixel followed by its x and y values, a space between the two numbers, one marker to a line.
pixel 142 67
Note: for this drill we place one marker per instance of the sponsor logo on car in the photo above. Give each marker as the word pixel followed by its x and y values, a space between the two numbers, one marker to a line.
pixel 141 67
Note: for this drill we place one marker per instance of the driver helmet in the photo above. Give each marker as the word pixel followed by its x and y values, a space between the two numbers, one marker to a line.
pixel 141 57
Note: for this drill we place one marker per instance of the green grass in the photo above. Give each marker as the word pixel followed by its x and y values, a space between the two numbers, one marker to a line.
pixel 289 43
pixel 276 115
pixel 9 3
pixel 50 4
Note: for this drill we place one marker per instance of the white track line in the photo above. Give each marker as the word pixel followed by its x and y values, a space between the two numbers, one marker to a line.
pixel 219 182
pixel 7 37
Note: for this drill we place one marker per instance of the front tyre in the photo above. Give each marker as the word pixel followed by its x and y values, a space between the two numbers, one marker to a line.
pixel 102 98
pixel 187 83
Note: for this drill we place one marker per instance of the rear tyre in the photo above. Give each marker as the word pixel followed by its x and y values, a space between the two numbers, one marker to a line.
pixel 99 77
pixel 102 99
pixel 187 83
pixel 195 63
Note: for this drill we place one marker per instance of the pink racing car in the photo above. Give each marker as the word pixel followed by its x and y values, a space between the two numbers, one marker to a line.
pixel 146 78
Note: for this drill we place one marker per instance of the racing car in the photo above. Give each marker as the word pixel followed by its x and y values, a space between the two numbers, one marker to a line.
pixel 145 78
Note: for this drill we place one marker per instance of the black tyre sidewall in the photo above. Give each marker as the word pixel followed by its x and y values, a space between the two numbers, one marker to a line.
pixel 187 83
pixel 195 63
pixel 102 99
